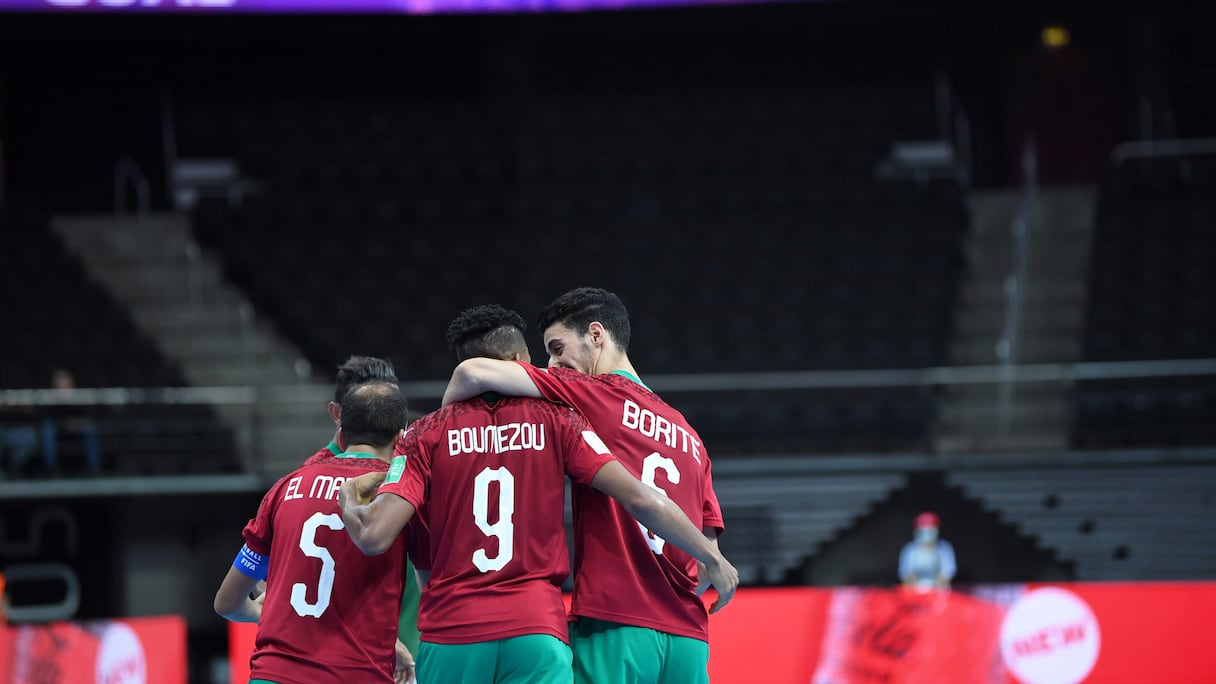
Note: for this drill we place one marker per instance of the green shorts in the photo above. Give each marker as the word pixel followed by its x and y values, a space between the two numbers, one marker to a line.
pixel 528 659
pixel 609 652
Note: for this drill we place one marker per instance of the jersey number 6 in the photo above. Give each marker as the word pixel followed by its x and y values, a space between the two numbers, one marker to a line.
pixel 653 463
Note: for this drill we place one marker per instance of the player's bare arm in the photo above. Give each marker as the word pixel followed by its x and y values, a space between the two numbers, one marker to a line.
pixel 711 533
pixel 403 666
pixel 372 522
pixel 663 517
pixel 478 375
pixel 232 600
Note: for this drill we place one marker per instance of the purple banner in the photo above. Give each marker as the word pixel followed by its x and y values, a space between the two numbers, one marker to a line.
pixel 339 6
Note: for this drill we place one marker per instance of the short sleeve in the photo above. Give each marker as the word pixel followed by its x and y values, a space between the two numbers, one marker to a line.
pixel 711 511
pixel 905 561
pixel 585 453
pixel 259 530
pixel 550 383
pixel 949 566
pixel 408 473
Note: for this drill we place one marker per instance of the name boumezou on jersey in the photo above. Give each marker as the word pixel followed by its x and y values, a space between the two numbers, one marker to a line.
pixel 496 439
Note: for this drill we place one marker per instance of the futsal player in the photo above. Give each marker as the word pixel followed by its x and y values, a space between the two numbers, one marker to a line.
pixel 330 613
pixel 636 610
pixel 356 371
pixel 491 471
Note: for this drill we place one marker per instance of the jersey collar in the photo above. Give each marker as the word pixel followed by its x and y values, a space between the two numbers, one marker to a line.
pixel 626 374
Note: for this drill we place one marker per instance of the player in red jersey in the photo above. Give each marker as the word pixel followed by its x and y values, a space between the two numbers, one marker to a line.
pixel 638 617
pixel 330 613
pixel 491 471
pixel 355 371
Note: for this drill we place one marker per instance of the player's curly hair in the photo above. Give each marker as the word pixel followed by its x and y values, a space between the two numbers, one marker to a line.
pixel 360 370
pixel 488 330
pixel 579 307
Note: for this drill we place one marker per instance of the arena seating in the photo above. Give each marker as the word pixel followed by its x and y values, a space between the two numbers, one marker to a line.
pixel 1152 296
pixel 60 318
pixel 1126 522
pixel 745 231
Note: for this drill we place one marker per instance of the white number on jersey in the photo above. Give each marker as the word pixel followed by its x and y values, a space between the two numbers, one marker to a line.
pixel 653 463
pixel 325 584
pixel 504 529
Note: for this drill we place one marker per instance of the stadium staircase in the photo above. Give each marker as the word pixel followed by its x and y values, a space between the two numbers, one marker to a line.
pixel 1052 320
pixel 176 293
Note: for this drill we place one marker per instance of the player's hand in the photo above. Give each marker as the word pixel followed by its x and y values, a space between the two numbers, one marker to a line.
pixel 255 606
pixel 725 578
pixel 367 485
pixel 403 672
pixel 702 578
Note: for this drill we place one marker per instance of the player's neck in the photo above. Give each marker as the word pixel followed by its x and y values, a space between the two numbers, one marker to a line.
pixel 384 453
pixel 612 362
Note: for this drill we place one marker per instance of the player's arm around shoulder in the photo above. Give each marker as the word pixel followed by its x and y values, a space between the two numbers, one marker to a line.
pixel 663 517
pixel 372 520
pixel 478 375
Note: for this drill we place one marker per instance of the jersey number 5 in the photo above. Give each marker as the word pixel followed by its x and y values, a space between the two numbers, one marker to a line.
pixel 650 467
pixel 504 529
pixel 325 584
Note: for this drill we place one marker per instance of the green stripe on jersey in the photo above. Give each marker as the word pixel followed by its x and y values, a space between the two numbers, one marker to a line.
pixel 631 376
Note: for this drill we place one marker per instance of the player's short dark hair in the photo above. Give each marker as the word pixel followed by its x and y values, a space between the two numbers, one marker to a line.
pixel 373 413
pixel 488 330
pixel 579 307
pixel 360 370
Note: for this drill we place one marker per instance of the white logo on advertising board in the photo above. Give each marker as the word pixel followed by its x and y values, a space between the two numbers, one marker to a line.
pixel 1050 636
pixel 120 656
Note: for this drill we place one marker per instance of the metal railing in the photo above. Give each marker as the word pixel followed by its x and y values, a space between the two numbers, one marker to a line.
pixel 1150 149
pixel 933 376
pixel 1015 285
pixel 140 425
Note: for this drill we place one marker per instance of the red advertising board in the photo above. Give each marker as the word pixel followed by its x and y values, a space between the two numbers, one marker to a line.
pixel 1076 633
pixel 126 651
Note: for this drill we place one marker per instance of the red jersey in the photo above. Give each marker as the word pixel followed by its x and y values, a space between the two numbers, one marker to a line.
pixel 331 613
pixel 623 573
pixel 492 477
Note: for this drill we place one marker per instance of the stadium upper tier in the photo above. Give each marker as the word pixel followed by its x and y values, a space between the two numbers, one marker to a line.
pixel 744 230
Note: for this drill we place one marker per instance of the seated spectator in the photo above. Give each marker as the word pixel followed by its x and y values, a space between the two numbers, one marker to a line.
pixel 68 419
pixel 18 437
pixel 927 562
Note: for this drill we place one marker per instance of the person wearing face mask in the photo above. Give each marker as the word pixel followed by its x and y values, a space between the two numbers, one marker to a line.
pixel 926 562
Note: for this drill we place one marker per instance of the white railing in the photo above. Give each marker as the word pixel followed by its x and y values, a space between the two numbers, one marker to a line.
pixel 267 407
pixel 1150 149
pixel 1015 284
pixel 934 376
